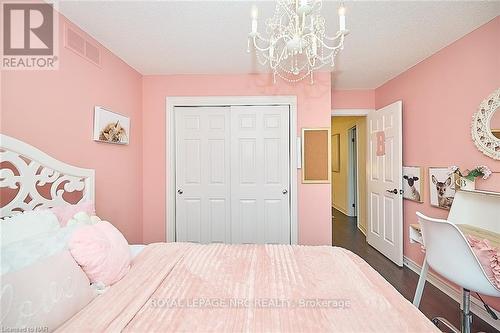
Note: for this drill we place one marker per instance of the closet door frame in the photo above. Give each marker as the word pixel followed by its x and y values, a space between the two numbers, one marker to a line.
pixel 172 102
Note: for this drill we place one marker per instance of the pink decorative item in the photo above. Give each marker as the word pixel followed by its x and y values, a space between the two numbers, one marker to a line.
pixel 489 257
pixel 44 294
pixel 380 143
pixel 102 252
pixel 65 213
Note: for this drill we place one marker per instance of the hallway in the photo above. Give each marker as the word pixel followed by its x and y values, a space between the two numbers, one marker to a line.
pixel 434 302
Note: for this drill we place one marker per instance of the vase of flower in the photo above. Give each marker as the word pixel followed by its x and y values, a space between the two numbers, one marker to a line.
pixel 467 180
pixel 465 184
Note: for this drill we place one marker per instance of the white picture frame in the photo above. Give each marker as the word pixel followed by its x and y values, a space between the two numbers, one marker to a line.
pixel 413 183
pixel 111 127
pixel 441 187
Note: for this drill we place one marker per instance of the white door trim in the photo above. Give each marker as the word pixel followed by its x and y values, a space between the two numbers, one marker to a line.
pixel 352 175
pixel 172 102
pixel 350 112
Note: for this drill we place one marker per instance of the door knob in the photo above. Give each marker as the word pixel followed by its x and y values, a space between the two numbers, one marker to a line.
pixel 395 191
pixel 285 191
pixel 180 191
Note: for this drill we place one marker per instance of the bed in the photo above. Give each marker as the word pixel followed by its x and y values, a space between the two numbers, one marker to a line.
pixel 185 287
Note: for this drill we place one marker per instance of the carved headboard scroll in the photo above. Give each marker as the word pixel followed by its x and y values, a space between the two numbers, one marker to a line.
pixel 30 179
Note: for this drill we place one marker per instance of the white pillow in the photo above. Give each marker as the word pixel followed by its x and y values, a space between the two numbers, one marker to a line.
pixel 45 294
pixel 27 225
pixel 25 252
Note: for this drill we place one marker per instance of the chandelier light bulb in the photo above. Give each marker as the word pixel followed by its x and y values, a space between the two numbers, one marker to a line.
pixel 342 18
pixel 254 14
pixel 342 10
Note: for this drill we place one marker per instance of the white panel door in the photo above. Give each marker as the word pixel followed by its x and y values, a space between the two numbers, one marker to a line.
pixel 260 209
pixel 202 174
pixel 385 200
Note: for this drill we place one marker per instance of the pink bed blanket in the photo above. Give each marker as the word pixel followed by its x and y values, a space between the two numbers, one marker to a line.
pixel 180 287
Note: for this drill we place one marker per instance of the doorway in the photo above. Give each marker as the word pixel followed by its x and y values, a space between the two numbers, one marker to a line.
pixel 380 179
pixel 348 179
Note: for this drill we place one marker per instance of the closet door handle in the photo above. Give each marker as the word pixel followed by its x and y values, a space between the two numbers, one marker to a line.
pixel 180 191
pixel 285 191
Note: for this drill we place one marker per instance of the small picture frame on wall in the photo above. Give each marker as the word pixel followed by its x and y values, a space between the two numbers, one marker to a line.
pixel 111 127
pixel 413 183
pixel 442 191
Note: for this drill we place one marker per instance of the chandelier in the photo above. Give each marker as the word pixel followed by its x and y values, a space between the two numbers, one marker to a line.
pixel 297 43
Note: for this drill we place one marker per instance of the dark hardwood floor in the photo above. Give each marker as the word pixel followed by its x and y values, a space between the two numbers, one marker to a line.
pixel 434 302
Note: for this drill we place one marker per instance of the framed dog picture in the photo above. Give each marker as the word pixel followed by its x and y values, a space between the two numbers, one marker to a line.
pixel 111 127
pixel 441 188
pixel 413 183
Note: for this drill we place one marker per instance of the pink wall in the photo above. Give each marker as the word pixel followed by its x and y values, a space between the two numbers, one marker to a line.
pixel 439 96
pixel 353 99
pixel 313 111
pixel 53 110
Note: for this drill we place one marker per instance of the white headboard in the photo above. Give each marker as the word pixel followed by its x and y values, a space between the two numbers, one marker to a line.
pixel 24 168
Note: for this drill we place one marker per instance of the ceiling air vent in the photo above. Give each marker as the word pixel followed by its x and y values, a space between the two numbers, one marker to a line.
pixel 76 42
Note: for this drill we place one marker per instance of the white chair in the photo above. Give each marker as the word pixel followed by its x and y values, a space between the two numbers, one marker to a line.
pixel 448 253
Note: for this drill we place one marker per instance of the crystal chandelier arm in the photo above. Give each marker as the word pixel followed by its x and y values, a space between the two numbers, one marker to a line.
pixel 278 60
pixel 265 49
pixel 337 36
pixel 259 37
pixel 261 49
pixel 338 46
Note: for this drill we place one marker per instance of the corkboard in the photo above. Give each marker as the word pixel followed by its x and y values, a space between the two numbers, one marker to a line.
pixel 316 155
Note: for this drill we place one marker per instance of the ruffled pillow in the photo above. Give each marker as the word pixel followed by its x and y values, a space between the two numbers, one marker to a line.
pixel 102 252
pixel 488 256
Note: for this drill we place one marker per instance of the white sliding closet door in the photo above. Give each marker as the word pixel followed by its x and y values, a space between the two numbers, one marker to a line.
pixel 202 174
pixel 260 205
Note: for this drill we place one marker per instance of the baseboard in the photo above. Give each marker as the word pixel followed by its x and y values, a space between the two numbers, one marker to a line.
pixel 342 210
pixel 438 282
pixel 362 229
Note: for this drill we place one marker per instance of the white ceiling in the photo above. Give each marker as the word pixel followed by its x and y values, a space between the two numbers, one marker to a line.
pixel 209 37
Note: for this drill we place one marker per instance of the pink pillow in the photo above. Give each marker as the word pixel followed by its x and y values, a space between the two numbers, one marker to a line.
pixel 102 252
pixel 66 213
pixel 489 258
pixel 44 294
